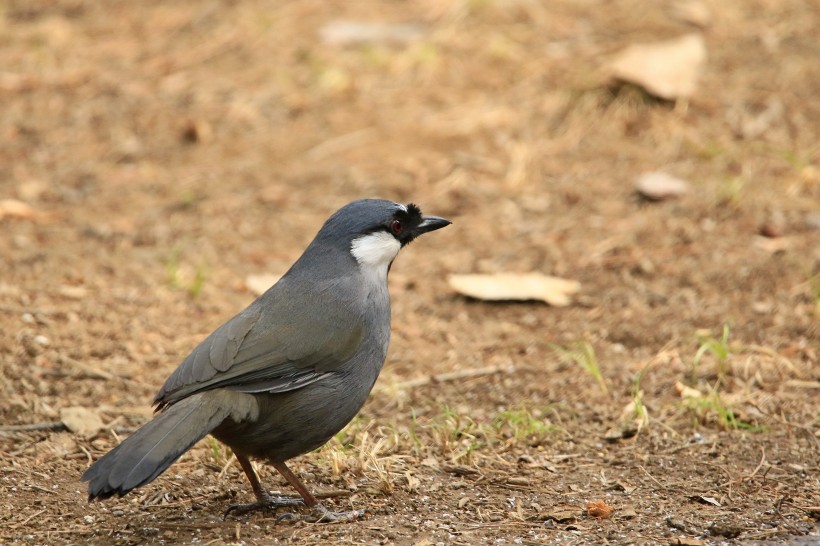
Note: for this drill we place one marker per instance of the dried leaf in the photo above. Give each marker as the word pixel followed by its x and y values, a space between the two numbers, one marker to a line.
pixel 259 284
pixel 561 514
pixel 668 69
pixel 413 482
pixel 84 421
pixel 599 509
pixel 518 287
pixel 707 500
pixel 13 208
pixel 621 486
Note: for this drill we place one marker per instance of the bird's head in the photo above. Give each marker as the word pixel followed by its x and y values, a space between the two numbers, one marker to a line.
pixel 374 230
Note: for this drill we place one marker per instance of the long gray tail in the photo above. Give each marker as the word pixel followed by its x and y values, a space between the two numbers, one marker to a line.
pixel 153 448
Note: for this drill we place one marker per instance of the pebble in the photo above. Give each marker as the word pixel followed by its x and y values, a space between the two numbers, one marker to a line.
pixel 659 186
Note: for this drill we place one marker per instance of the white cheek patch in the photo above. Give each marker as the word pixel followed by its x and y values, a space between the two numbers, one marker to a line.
pixel 375 249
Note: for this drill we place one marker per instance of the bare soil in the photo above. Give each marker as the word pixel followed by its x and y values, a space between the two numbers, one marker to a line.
pixel 167 150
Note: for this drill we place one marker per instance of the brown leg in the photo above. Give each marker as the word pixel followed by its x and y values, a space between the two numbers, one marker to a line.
pixel 258 491
pixel 264 500
pixel 296 483
pixel 319 514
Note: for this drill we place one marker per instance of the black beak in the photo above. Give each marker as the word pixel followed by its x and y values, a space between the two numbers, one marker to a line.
pixel 430 223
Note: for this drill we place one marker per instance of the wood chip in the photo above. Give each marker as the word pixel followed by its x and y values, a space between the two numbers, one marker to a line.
pixel 516 287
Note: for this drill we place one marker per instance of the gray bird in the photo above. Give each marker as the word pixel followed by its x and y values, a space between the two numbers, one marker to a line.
pixel 287 373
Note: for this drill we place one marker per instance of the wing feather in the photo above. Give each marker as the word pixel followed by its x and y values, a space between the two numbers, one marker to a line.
pixel 270 347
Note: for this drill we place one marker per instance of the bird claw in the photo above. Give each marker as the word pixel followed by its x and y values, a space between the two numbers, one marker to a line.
pixel 318 514
pixel 268 503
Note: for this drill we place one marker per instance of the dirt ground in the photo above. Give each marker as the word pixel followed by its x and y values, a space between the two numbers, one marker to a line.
pixel 159 153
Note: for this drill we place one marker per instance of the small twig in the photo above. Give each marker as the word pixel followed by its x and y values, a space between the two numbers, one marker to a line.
pixel 761 534
pixel 51 426
pixel 227 466
pixel 651 477
pixel 332 493
pixel 88 456
pixel 41 488
pixel 28 519
pixel 760 464
pixel 742 479
pixel 455 376
pixel 97 373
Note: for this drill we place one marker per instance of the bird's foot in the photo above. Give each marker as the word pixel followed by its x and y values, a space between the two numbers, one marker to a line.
pixel 320 514
pixel 268 502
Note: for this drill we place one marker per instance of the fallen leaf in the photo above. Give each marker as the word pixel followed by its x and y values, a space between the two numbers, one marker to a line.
pixel 560 515
pixel 412 481
pixel 621 486
pixel 659 186
pixel 706 500
pixel 84 421
pixel 259 284
pixel 13 208
pixel 517 287
pixel 599 509
pixel 668 69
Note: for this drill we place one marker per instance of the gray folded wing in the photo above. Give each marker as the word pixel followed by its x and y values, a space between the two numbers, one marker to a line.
pixel 270 347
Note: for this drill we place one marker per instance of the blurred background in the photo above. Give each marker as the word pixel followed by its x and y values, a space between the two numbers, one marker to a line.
pixel 158 158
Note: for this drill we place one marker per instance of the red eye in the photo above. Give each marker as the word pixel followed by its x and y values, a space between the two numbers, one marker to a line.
pixel 396 227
